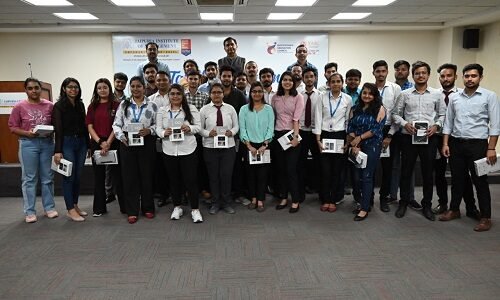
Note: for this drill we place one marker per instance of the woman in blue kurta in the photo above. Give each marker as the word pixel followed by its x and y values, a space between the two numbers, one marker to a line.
pixel 365 134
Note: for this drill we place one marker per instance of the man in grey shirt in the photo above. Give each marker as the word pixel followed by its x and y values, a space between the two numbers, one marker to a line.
pixel 419 104
pixel 152 52
pixel 470 133
pixel 232 59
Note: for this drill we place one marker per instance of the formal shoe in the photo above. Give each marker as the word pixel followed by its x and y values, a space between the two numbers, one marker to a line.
pixel 383 205
pixel 177 213
pixel 332 208
pixel 149 215
pixel 473 214
pixel 294 209
pixel 261 208
pixel 73 215
pixel 449 215
pixel 196 216
pixel 110 198
pixel 415 205
pixel 214 209
pixel 360 218
pixel 51 214
pixel 96 215
pixel 356 211
pixel 281 206
pixel 324 207
pixel 132 219
pixel 30 219
pixel 228 209
pixel 401 211
pixel 428 214
pixel 252 205
pixel 81 212
pixel 440 209
pixel 484 225
pixel 392 200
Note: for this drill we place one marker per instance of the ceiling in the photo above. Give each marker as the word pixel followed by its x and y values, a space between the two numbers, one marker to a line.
pixel 177 16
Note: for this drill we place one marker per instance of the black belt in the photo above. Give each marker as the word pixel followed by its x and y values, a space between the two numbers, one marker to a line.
pixel 469 141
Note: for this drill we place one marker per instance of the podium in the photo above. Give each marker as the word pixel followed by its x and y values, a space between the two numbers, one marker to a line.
pixel 9 91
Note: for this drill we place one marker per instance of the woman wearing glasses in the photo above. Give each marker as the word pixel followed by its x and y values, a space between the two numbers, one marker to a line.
pixel 177 123
pixel 256 132
pixel 71 142
pixel 219 124
pixel 134 126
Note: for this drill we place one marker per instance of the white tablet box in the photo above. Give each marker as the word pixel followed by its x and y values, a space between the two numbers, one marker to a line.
pixel 65 167
pixel 177 134
pixel 259 158
pixel 483 167
pixel 384 153
pixel 221 140
pixel 43 130
pixel 134 139
pixel 333 146
pixel 420 137
pixel 110 159
pixel 358 160
pixel 286 139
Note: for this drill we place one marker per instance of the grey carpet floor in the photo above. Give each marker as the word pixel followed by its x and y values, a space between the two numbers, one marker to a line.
pixel 249 255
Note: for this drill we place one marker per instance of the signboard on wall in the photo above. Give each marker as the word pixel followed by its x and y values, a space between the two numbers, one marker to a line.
pixel 276 51
pixel 9 100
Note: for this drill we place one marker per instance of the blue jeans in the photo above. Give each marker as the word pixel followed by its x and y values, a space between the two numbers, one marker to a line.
pixel 35 155
pixel 366 175
pixel 75 150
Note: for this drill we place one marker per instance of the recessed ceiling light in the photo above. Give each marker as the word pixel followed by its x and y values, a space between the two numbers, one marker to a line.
pixel 132 2
pixel 49 2
pixel 216 16
pixel 372 2
pixel 284 16
pixel 350 16
pixel 76 16
pixel 295 2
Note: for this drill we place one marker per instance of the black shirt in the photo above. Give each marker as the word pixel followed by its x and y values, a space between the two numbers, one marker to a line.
pixel 68 120
pixel 236 99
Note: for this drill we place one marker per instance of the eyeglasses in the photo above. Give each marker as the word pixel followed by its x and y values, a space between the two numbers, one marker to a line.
pixel 216 92
pixel 257 92
pixel 72 87
pixel 175 94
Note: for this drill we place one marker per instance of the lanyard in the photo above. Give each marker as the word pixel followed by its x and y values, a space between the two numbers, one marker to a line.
pixel 137 117
pixel 332 113
pixel 172 116
pixel 382 93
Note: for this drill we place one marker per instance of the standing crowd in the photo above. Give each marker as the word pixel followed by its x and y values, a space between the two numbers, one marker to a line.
pixel 228 135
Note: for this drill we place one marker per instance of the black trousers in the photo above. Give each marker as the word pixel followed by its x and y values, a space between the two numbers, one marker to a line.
pixel 137 174
pixel 286 163
pixel 239 177
pixel 220 170
pixel 256 177
pixel 386 163
pixel 332 165
pixel 160 184
pixel 442 185
pixel 308 169
pixel 183 175
pixel 99 206
pixel 203 181
pixel 463 153
pixel 409 154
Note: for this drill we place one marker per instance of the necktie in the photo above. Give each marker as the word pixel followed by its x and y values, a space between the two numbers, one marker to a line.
pixel 219 116
pixel 446 94
pixel 307 119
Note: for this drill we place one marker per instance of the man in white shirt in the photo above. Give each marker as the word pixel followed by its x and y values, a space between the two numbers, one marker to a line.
pixel 266 77
pixel 330 68
pixel 297 78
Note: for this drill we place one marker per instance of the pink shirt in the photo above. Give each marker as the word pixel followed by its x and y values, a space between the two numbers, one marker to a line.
pixel 288 109
pixel 26 115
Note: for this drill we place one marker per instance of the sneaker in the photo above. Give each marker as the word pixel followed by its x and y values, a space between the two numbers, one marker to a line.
pixel 214 209
pixel 176 214
pixel 196 215
pixel 51 214
pixel 228 209
pixel 30 219
pixel 415 205
pixel 96 215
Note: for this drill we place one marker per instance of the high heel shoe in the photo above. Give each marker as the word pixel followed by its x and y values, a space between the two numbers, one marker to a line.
pixel 294 209
pixel 360 218
pixel 281 206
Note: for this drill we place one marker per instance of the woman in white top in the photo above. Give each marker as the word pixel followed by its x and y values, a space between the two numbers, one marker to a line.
pixel 219 124
pixel 331 117
pixel 176 125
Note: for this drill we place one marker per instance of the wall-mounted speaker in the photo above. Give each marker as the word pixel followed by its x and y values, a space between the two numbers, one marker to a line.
pixel 471 38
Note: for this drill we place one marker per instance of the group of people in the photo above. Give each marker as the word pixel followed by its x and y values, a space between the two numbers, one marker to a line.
pixel 205 134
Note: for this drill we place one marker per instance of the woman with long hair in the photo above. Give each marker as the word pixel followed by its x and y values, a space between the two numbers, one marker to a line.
pixel 100 116
pixel 365 134
pixel 72 141
pixel 219 125
pixel 35 150
pixel 256 132
pixel 288 105
pixel 180 158
pixel 331 117
pixel 134 122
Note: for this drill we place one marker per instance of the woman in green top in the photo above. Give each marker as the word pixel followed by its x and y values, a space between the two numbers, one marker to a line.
pixel 256 130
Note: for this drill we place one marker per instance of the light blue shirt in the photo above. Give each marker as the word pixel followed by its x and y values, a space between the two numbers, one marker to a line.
pixel 256 126
pixel 161 67
pixel 474 117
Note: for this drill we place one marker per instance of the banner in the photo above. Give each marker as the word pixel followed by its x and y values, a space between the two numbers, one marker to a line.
pixel 276 51
pixel 9 100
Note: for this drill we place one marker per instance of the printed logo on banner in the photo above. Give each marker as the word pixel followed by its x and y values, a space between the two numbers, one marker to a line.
pixel 185 47
pixel 271 49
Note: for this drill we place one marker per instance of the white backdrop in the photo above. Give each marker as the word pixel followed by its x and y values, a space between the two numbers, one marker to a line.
pixel 271 50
